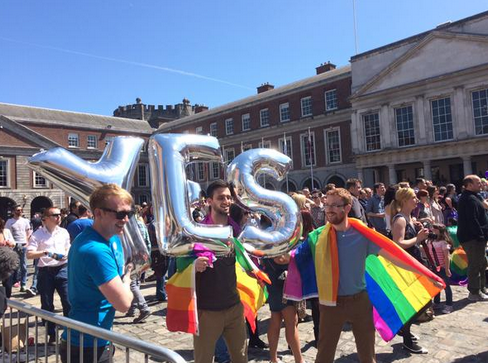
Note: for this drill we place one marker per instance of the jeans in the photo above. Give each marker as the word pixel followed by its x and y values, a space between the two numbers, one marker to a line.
pixel 51 279
pixel 34 277
pixel 476 253
pixel 221 352
pixel 160 288
pixel 21 273
pixel 443 276
pixel 138 302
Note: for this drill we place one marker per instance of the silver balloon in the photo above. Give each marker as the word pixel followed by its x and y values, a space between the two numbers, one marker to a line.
pixel 79 178
pixel 175 229
pixel 194 190
pixel 286 221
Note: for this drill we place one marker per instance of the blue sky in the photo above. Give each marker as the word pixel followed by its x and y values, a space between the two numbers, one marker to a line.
pixel 94 55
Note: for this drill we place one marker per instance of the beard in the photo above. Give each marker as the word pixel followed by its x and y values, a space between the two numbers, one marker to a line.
pixel 336 218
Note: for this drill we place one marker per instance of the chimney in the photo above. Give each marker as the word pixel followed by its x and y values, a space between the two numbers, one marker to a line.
pixel 265 87
pixel 325 67
pixel 200 108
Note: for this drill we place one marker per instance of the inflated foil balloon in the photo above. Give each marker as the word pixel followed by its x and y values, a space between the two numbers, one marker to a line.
pixel 286 221
pixel 80 178
pixel 175 229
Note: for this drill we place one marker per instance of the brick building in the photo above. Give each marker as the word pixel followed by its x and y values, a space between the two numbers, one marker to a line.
pixel 319 103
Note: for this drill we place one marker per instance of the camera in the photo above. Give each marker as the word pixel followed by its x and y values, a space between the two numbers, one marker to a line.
pixel 432 236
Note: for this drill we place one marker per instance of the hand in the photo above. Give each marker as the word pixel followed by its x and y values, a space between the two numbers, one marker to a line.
pixel 437 284
pixel 422 235
pixel 201 264
pixel 128 270
pixel 448 272
pixel 11 244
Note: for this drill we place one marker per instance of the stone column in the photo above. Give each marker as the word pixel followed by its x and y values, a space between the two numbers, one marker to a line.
pixel 386 131
pixel 467 165
pixel 420 133
pixel 392 174
pixel 360 174
pixel 427 170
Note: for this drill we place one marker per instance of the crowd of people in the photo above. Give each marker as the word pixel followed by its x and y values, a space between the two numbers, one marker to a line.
pixel 78 254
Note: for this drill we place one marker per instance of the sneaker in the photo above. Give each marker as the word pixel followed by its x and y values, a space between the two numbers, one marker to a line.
pixel 447 309
pixel 415 348
pixel 437 306
pixel 52 340
pixel 16 285
pixel 142 316
pixel 31 292
pixel 413 337
pixel 130 313
pixel 477 297
pixel 258 343
pixel 22 288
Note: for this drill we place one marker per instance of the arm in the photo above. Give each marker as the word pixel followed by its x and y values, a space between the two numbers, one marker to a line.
pixel 398 234
pixel 117 292
pixel 370 209
pixel 447 262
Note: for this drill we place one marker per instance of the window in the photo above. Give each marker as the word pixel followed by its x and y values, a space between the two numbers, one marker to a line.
pixel 91 142
pixel 308 149
pixel 480 111
pixel 73 140
pixel 213 129
pixel 306 105
pixel 246 147
pixel 4 177
pixel 246 122
pixel 143 198
pixel 229 155
pixel 39 181
pixel 285 146
pixel 333 145
pixel 229 126
pixel 264 117
pixel 442 119
pixel 199 130
pixel 265 144
pixel 143 175
pixel 285 112
pixel 215 170
pixel 372 131
pixel 200 171
pixel 404 123
pixel 331 100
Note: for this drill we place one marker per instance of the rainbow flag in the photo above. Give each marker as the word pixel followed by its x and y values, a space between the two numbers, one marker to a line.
pixel 396 294
pixel 459 267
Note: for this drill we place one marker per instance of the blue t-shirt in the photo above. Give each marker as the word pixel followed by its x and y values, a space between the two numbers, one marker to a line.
pixel 93 261
pixel 76 227
pixel 353 249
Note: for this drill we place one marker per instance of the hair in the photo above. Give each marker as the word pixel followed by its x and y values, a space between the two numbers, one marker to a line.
pixel 390 194
pixel 403 184
pixel 236 213
pixel 9 262
pixel 17 206
pixel 352 183
pixel 444 233
pixel 419 180
pixel 316 191
pixel 300 200
pixel 328 187
pixel 63 211
pixel 469 179
pixel 341 193
pixel 376 186
pixel 73 205
pixel 101 195
pixel 2 224
pixel 402 195
pixel 450 188
pixel 82 209
pixel 422 193
pixel 217 185
pixel 431 189
pixel 47 212
pixel 442 191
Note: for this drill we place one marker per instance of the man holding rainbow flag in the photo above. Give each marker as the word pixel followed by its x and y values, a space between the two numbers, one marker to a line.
pixel 333 265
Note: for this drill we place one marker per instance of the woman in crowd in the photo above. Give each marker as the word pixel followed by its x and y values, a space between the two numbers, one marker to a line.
pixel 301 202
pixel 422 210
pixel 435 207
pixel 406 236
pixel 6 241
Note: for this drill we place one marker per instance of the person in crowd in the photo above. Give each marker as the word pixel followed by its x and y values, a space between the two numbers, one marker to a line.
pixel 435 207
pixel 439 248
pixel 472 233
pixel 452 195
pixel 36 222
pixel 317 209
pixel 73 214
pixel 484 189
pixel 406 236
pixel 363 198
pixel 220 312
pixel 281 311
pixel 78 225
pixel 369 193
pixel 97 285
pixel 21 230
pixel 420 184
pixel 389 197
pixel 50 244
pixel 7 242
pixel 307 219
pixel 422 211
pixel 357 211
pixel 9 263
pixel 375 209
pixel 328 187
pixel 306 192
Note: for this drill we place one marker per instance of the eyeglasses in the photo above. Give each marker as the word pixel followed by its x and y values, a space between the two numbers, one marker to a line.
pixel 333 206
pixel 120 214
pixel 56 215
pixel 18 210
pixel 315 196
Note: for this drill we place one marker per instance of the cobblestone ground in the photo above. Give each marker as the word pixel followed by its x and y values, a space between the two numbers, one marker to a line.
pixel 460 337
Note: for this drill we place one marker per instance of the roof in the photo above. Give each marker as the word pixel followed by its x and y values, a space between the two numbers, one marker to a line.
pixel 414 38
pixel 44 116
pixel 261 97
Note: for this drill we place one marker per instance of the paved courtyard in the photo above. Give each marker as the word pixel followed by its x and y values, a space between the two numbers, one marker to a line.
pixel 460 337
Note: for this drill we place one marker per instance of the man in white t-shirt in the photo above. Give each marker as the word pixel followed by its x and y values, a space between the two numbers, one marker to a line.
pixel 21 230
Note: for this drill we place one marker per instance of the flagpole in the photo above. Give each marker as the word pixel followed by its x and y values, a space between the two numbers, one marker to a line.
pixel 285 149
pixel 311 160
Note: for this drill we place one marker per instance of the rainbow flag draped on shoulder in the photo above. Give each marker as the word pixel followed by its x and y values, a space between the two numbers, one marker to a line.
pixel 182 315
pixel 395 293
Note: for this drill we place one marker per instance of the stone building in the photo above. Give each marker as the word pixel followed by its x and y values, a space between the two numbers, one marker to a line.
pixel 281 118
pixel 419 105
pixel 25 131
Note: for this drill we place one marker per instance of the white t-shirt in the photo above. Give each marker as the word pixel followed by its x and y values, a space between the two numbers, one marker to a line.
pixel 56 242
pixel 19 228
pixel 7 235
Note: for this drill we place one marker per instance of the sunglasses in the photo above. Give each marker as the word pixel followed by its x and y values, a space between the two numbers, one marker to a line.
pixel 55 215
pixel 120 214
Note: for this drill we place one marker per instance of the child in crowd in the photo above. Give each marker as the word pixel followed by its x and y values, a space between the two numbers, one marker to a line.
pixel 439 248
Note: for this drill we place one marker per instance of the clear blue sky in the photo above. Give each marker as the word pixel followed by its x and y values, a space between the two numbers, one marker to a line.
pixel 94 55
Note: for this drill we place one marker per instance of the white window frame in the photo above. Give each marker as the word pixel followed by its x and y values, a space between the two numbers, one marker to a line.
pixel 246 147
pixel 229 126
pixel 227 151
pixel 396 110
pixel 214 131
pixel 448 97
pixel 246 117
pixel 34 181
pixel 7 172
pixel 73 137
pixel 303 145
pixel 199 130
pixel 145 183
pixel 363 119
pixel 93 138
pixel 483 112
pixel 283 106
pixel 215 167
pixel 289 147
pixel 302 108
pixel 200 171
pixel 333 101
pixel 264 117
pixel 326 138
pixel 143 198
pixel 266 144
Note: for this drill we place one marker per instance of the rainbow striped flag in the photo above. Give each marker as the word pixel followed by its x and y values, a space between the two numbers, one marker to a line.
pixel 459 267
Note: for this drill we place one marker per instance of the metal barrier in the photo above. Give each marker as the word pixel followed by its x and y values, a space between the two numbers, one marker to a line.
pixel 148 350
